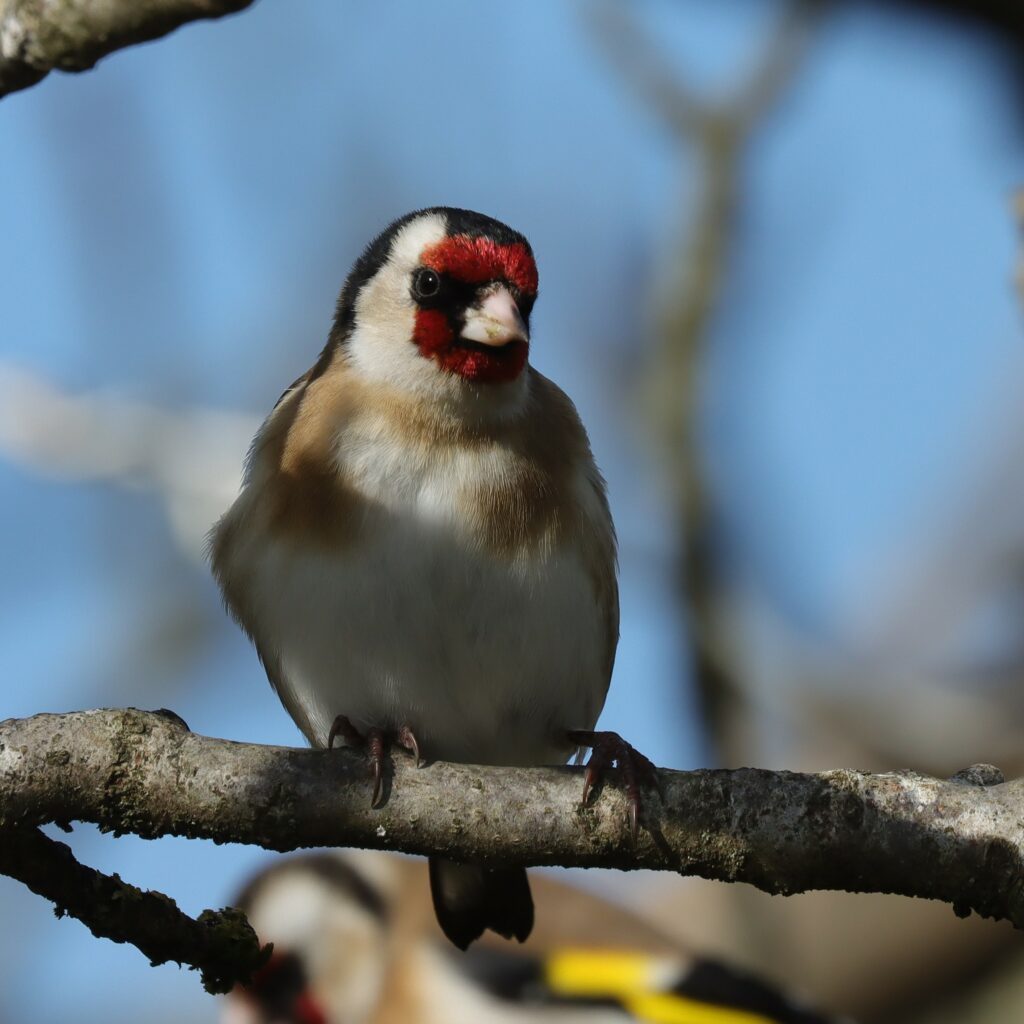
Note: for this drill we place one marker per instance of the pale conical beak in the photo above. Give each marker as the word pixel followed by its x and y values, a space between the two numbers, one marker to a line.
pixel 495 321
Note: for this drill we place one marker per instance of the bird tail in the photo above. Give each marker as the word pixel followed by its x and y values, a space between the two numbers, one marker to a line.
pixel 469 898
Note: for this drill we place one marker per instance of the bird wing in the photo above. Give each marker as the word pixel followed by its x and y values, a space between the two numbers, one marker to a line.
pixel 241 526
pixel 557 443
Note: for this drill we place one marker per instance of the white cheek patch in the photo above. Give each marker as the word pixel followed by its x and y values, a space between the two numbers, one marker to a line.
pixel 381 345
pixel 290 910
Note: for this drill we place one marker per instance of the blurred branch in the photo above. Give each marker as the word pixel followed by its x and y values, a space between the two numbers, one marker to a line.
pixel 40 36
pixel 191 459
pixel 719 131
pixel 960 841
pixel 220 944
pixel 691 117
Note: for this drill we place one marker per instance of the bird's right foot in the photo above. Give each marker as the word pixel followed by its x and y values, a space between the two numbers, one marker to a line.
pixel 607 749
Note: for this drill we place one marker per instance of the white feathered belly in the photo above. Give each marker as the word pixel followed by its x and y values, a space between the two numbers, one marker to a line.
pixel 486 659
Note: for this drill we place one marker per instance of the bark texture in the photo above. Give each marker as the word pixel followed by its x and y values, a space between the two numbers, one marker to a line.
pixel 959 840
pixel 39 36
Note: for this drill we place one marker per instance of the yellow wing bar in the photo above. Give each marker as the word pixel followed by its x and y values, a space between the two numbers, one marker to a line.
pixel 638 981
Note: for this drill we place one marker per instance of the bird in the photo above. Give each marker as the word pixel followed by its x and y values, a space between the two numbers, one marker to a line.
pixel 355 942
pixel 422 550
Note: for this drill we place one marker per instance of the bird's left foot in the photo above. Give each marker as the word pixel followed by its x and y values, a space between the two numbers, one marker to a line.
pixel 608 749
pixel 376 741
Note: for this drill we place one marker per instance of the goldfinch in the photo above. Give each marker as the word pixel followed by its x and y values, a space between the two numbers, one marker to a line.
pixel 355 943
pixel 422 549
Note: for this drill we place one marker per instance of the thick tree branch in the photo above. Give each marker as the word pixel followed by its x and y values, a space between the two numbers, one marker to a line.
pixel 220 944
pixel 40 36
pixel 961 841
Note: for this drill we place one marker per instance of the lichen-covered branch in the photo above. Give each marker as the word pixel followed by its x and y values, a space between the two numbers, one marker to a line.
pixel 220 944
pixel 960 840
pixel 40 36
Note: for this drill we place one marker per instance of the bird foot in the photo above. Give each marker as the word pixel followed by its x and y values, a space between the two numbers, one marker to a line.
pixel 608 749
pixel 376 741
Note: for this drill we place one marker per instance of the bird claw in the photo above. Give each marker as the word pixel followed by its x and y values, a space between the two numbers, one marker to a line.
pixel 608 749
pixel 376 745
pixel 376 742
pixel 407 739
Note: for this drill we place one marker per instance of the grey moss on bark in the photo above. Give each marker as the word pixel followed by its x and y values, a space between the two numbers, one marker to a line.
pixel 39 36
pixel 959 840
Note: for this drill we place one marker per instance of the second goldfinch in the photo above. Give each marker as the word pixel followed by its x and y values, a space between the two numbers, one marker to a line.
pixel 354 944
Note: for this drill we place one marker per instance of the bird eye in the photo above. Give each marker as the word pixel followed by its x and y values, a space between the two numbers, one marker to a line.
pixel 426 283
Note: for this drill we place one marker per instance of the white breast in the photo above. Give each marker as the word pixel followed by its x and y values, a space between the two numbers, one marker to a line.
pixel 487 658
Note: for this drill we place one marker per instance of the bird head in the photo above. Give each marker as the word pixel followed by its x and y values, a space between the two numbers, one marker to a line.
pixel 439 305
pixel 329 925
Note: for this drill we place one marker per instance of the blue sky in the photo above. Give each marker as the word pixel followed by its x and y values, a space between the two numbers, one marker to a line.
pixel 177 223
